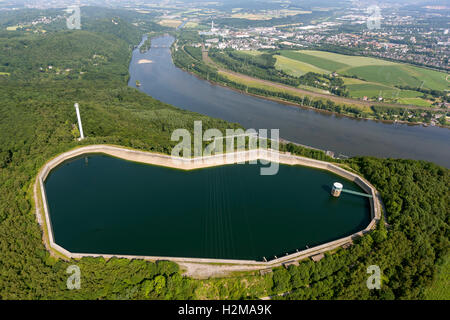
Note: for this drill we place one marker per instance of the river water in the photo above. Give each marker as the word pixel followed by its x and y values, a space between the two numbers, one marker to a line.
pixel 342 135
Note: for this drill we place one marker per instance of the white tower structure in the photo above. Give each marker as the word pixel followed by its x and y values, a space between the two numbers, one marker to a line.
pixel 337 189
pixel 80 126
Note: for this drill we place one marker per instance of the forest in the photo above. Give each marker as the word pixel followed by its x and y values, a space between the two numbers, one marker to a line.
pixel 37 122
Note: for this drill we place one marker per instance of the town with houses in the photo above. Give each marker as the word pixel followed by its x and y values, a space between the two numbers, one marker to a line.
pixel 420 38
pixel 431 49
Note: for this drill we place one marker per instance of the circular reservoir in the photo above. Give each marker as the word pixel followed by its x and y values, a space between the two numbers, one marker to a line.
pixel 102 204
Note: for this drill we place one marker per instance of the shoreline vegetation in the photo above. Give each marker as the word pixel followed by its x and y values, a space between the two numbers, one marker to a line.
pixel 196 61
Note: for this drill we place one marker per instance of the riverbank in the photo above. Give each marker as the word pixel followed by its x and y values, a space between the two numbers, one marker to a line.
pixel 208 70
pixel 43 216
pixel 344 100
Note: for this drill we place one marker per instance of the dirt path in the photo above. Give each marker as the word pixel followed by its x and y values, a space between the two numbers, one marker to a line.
pixel 333 98
pixel 204 271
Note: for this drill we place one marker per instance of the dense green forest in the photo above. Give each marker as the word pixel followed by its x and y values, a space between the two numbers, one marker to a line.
pixel 37 122
pixel 263 66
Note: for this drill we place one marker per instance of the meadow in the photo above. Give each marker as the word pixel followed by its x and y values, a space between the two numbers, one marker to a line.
pixel 268 14
pixel 170 23
pixel 258 85
pixel 296 68
pixel 361 88
pixel 191 24
pixel 366 76
pixel 36 122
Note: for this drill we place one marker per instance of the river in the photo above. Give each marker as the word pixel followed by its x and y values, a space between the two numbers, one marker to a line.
pixel 162 80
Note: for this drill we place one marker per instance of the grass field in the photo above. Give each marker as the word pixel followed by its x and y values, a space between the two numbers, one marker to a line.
pixel 318 62
pixel 313 89
pixel 379 76
pixel 372 70
pixel 14 28
pixel 374 90
pixel 353 61
pixel 250 16
pixel 191 24
pixel 395 75
pixel 170 23
pixel 257 84
pixel 371 90
pixel 267 15
pixel 253 52
pixel 440 289
pixel 415 101
pixel 360 88
pixel 296 68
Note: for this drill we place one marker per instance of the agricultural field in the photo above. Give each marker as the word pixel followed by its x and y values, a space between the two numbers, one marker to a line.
pixel 327 64
pixel 14 28
pixel 267 14
pixel 253 52
pixel 296 68
pixel 257 84
pixel 250 16
pixel 415 101
pixel 376 77
pixel 170 23
pixel 191 24
pixel 360 88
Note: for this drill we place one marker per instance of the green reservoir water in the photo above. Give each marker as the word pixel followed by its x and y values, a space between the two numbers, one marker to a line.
pixel 101 204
